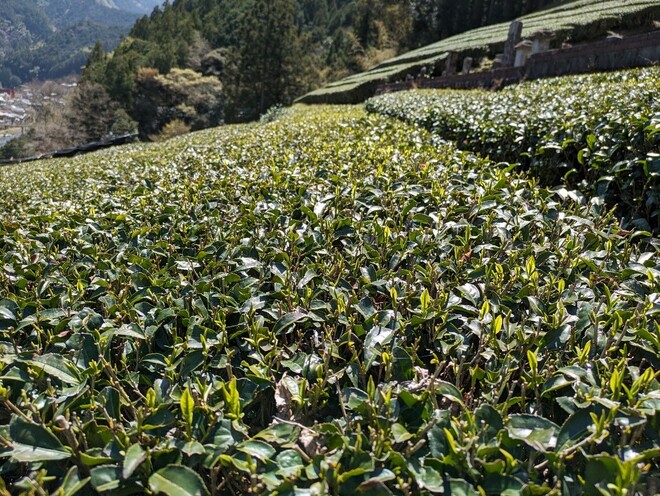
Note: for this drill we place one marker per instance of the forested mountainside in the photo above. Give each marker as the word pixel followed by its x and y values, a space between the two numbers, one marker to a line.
pixel 64 13
pixel 139 6
pixel 22 23
pixel 52 38
pixel 269 52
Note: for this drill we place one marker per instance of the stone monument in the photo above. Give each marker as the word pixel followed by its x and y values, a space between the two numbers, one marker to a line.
pixel 515 33
pixel 523 51
pixel 450 64
pixel 467 65
pixel 541 40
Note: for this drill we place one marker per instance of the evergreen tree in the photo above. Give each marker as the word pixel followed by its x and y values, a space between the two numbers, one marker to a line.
pixel 364 24
pixel 96 64
pixel 270 55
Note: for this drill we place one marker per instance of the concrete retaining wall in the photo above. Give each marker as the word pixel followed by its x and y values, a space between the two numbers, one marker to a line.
pixel 607 55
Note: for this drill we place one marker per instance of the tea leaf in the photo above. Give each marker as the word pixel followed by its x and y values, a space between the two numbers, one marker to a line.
pixel 177 480
pixel 135 455
pixel 34 443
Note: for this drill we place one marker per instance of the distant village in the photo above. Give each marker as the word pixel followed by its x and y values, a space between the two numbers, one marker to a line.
pixel 18 105
pixel 13 113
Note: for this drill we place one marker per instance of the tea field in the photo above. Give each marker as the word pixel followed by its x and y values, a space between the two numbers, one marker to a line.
pixel 334 302
pixel 598 132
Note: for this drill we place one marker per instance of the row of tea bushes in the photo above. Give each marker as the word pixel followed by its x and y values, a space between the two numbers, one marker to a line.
pixel 326 304
pixel 599 132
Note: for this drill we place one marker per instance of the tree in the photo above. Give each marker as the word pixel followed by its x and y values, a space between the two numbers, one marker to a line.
pixel 365 22
pixel 270 59
pixel 96 64
pixel 182 94
pixel 19 147
pixel 90 113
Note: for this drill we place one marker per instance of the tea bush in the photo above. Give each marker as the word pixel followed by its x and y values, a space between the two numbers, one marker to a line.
pixel 599 132
pixel 331 303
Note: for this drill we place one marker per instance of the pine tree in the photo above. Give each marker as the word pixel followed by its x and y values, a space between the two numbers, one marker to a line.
pixel 96 62
pixel 269 59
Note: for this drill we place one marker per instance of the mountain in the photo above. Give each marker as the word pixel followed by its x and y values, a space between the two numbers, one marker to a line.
pixel 22 23
pixel 65 13
pixel 63 53
pixel 51 38
pixel 106 12
pixel 139 6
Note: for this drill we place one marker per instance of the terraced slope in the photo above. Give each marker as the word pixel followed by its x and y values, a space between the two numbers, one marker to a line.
pixel 575 21
pixel 333 303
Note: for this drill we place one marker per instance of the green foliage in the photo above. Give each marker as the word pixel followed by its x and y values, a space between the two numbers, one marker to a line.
pixel 181 95
pixel 330 303
pixel 597 132
pixel 90 113
pixel 122 123
pixel 20 146
pixel 96 61
pixel 270 56
pixel 274 113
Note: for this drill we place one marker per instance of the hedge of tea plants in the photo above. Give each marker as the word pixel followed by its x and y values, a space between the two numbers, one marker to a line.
pixel 330 303
pixel 599 132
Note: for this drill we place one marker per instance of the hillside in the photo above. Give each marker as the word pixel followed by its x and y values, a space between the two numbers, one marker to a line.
pixel 137 6
pixel 573 21
pixel 63 53
pixel 22 23
pixel 52 38
pixel 332 301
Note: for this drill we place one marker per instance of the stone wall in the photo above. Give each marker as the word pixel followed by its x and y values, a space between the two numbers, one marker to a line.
pixel 484 79
pixel 606 55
